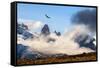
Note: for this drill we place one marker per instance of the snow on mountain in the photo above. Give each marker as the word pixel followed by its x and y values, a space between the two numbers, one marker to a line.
pixel 35 45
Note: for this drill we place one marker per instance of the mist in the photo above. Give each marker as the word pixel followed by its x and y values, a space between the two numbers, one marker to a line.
pixel 64 44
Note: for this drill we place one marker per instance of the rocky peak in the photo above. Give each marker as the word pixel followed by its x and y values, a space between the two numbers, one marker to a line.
pixel 22 29
pixel 45 30
pixel 57 33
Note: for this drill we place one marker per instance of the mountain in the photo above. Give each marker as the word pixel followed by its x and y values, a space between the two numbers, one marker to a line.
pixel 25 52
pixel 86 41
pixel 45 30
pixel 57 33
pixel 20 50
pixel 22 29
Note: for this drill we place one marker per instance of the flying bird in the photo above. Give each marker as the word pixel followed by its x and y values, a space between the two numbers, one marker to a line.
pixel 47 16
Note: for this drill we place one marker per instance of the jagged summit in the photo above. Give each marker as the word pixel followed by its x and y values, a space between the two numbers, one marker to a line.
pixel 45 30
pixel 86 41
pixel 57 33
pixel 22 29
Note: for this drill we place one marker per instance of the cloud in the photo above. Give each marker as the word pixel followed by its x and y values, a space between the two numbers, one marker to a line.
pixel 86 17
pixel 64 44
pixel 32 25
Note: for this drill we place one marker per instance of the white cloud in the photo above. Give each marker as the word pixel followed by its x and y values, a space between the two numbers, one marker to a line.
pixel 32 25
pixel 64 44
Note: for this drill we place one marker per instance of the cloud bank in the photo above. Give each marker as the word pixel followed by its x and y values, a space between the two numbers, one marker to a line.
pixel 64 44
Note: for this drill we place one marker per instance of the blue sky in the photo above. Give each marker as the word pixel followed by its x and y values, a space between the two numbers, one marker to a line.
pixel 60 15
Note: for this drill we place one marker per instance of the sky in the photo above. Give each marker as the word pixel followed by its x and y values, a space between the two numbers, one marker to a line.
pixel 60 15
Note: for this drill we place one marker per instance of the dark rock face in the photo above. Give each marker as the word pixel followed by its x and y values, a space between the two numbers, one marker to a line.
pixel 20 50
pixel 83 43
pixel 27 35
pixel 57 33
pixel 23 52
pixel 91 44
pixel 45 30
pixel 23 30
